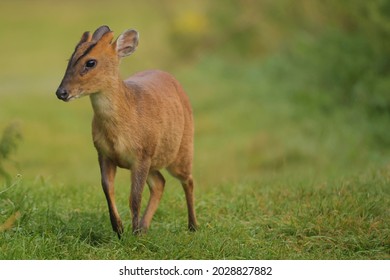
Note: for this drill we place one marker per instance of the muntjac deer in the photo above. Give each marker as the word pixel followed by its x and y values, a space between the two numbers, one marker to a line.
pixel 143 123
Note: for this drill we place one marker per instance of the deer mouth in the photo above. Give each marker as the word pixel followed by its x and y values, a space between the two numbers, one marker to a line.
pixel 66 96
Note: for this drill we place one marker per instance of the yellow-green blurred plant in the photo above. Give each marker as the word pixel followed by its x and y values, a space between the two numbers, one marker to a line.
pixel 188 33
pixel 8 144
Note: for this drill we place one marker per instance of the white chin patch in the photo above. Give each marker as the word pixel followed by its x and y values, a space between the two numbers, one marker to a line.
pixel 75 97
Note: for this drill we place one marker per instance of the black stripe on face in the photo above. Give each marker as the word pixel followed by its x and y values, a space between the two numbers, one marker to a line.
pixel 85 53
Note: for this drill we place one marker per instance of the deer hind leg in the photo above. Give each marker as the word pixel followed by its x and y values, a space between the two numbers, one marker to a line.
pixel 188 185
pixel 108 171
pixel 156 183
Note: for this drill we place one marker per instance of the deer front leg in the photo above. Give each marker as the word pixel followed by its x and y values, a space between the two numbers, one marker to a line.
pixel 108 171
pixel 139 174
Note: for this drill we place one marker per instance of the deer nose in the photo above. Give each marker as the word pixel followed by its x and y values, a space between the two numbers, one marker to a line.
pixel 62 93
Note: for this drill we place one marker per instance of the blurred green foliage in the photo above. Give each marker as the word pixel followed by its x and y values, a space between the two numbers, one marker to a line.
pixel 342 48
pixel 325 62
pixel 8 144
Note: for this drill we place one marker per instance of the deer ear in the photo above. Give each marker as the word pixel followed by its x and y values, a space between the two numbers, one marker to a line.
pixel 126 43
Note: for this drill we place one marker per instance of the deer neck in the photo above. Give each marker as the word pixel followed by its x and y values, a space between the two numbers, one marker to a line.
pixel 108 105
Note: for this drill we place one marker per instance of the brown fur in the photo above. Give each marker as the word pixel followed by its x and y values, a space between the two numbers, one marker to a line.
pixel 143 124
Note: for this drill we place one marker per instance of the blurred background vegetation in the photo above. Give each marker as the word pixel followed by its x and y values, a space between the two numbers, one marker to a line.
pixel 299 87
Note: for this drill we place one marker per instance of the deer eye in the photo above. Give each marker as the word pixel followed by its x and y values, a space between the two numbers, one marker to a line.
pixel 90 64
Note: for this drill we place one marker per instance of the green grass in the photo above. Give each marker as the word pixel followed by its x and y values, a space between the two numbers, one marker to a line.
pixel 283 170
pixel 270 219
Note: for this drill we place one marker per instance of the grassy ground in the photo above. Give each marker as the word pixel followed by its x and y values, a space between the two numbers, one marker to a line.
pixel 279 174
pixel 265 220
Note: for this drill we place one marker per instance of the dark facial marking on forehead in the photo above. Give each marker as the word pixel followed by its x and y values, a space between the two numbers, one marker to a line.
pixel 84 54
